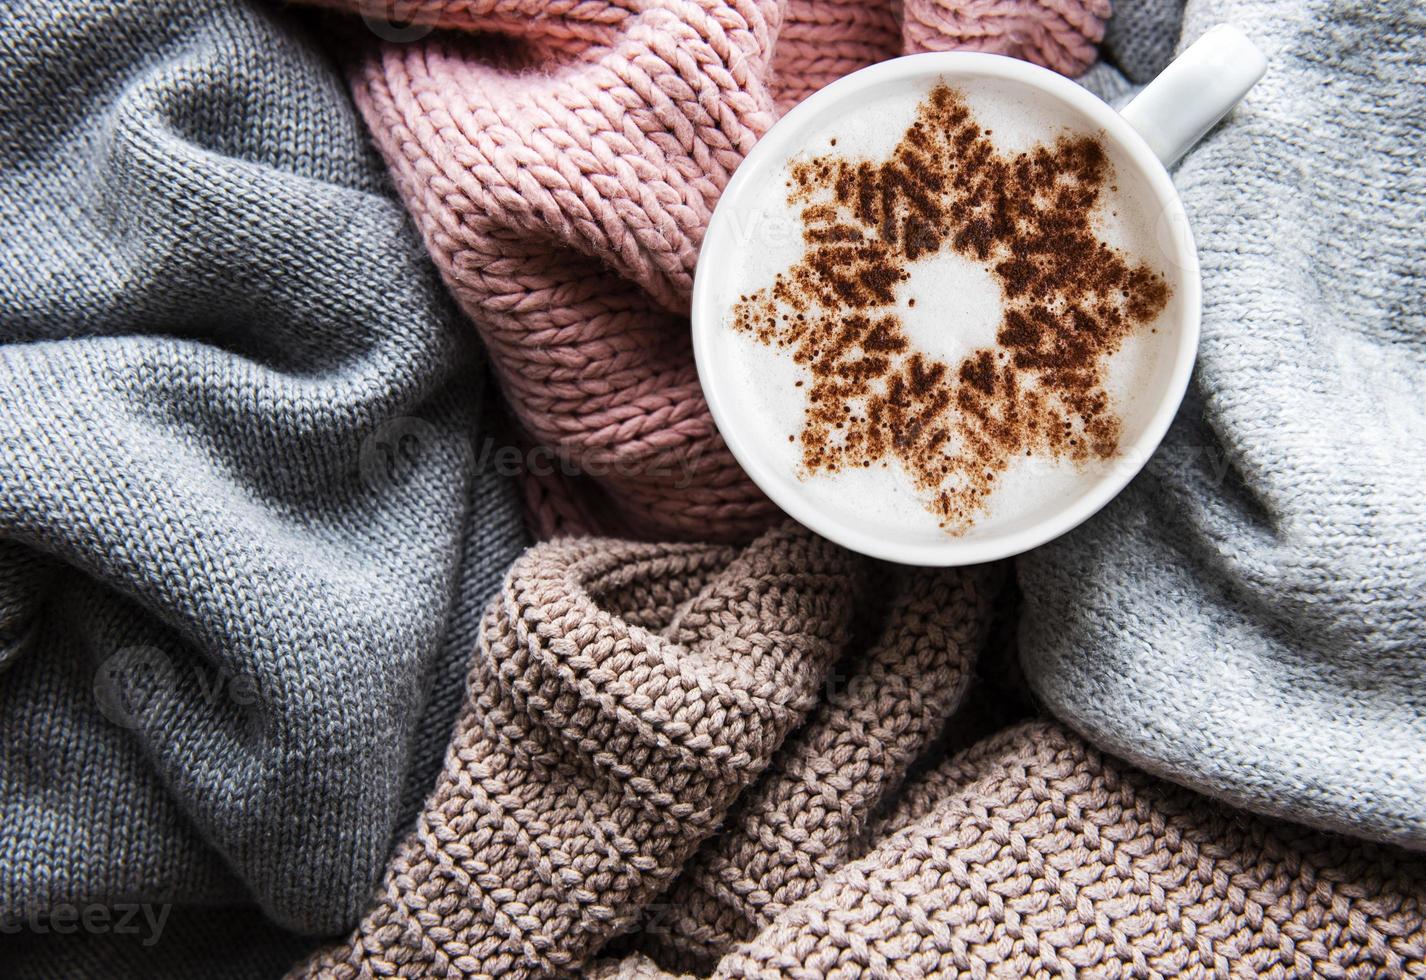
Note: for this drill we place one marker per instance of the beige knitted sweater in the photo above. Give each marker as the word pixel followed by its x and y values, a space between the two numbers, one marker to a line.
pixel 712 760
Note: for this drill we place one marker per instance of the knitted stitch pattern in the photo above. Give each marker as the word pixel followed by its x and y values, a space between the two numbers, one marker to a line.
pixel 1246 618
pixel 627 700
pixel 881 708
pixel 1033 855
pixel 563 174
pixel 621 697
pixel 244 534
pixel 1043 857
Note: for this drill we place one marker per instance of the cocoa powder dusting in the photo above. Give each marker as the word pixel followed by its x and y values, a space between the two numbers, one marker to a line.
pixel 1068 302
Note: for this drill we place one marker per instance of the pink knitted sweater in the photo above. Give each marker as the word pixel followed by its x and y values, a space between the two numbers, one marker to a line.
pixel 562 159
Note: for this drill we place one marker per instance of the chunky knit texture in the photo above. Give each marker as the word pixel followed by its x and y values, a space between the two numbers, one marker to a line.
pixel 880 709
pixel 621 696
pixel 1247 617
pixel 627 700
pixel 242 529
pixel 1033 855
pixel 246 536
pixel 563 172
pixel 678 671
pixel 1040 856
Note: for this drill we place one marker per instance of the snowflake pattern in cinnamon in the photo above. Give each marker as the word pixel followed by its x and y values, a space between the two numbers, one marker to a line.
pixel 1068 301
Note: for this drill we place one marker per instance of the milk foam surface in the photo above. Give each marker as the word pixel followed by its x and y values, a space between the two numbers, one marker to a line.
pixel 949 306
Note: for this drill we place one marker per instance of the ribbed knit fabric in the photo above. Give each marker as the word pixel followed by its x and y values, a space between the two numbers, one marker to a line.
pixel 1038 856
pixel 1247 617
pixel 1033 855
pixel 563 159
pixel 880 709
pixel 629 700
pixel 620 698
pixel 242 525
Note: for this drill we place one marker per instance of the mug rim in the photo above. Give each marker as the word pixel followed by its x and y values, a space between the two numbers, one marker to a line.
pixel 771 150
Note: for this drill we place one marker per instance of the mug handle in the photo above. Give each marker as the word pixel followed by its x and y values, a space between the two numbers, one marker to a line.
pixel 1196 90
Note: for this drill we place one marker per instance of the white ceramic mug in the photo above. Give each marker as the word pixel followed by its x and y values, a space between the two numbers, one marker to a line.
pixel 1171 114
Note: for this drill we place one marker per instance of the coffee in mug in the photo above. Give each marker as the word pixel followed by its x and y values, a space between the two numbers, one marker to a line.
pixel 951 308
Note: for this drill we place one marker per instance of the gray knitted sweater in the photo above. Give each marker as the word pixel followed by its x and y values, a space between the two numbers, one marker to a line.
pixel 1247 618
pixel 243 539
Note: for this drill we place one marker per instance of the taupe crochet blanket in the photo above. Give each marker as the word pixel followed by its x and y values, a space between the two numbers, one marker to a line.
pixel 694 758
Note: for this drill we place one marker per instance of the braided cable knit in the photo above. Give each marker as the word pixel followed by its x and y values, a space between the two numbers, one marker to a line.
pixel 562 175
